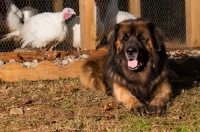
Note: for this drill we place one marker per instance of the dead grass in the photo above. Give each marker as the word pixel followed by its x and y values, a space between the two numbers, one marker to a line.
pixel 65 105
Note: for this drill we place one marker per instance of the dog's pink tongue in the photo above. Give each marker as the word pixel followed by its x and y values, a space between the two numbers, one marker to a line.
pixel 132 63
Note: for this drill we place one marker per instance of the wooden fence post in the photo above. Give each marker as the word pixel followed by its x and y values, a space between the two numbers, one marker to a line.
pixel 134 7
pixel 87 21
pixel 192 23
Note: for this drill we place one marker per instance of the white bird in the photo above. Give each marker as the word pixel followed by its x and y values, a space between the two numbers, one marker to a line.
pixel 14 18
pixel 74 33
pixel 114 16
pixel 74 36
pixel 42 30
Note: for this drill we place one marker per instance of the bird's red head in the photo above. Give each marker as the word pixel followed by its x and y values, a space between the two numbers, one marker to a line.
pixel 68 12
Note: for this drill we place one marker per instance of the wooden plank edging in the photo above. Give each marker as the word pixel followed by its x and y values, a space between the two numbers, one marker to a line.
pixel 45 70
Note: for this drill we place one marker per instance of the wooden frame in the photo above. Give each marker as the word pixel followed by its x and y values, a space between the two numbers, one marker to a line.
pixel 192 23
pixel 47 70
pixel 88 35
pixel 88 24
pixel 134 7
pixel 11 72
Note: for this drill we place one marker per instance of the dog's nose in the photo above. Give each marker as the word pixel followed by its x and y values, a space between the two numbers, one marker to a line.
pixel 131 51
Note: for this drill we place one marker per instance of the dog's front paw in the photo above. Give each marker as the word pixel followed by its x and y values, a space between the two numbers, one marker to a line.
pixel 156 110
pixel 139 109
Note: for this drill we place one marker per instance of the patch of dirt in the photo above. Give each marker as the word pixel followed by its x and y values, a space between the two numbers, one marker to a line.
pixel 49 104
pixel 65 105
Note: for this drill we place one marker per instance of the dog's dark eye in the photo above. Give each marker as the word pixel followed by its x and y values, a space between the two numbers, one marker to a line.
pixel 141 38
pixel 124 38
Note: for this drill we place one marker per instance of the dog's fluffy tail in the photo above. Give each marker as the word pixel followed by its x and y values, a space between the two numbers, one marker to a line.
pixel 92 75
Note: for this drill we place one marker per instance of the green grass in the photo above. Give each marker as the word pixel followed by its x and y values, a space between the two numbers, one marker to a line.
pixel 65 105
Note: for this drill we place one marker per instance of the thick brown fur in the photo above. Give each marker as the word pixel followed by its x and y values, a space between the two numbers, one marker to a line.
pixel 145 88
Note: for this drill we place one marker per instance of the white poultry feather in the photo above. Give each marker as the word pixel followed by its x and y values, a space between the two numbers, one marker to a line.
pixel 74 36
pixel 114 16
pixel 42 29
pixel 14 18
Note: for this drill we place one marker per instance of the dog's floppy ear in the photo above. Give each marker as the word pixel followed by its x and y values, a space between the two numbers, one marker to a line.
pixel 112 38
pixel 157 36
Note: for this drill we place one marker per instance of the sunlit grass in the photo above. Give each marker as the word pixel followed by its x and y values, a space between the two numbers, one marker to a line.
pixel 65 105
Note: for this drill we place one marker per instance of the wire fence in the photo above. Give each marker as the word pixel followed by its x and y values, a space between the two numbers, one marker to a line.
pixel 168 14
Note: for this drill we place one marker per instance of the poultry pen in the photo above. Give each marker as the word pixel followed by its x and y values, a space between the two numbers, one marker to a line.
pixel 178 19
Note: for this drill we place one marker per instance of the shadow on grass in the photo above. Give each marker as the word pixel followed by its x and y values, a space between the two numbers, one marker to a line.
pixel 185 75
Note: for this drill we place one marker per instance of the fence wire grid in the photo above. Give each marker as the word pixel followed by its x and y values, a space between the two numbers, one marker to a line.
pixel 168 14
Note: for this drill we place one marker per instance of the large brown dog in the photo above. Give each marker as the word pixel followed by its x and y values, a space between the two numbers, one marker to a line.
pixel 133 68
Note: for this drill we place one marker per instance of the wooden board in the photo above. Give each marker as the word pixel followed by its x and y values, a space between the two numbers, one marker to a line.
pixel 87 22
pixel 45 70
pixel 134 7
pixel 192 23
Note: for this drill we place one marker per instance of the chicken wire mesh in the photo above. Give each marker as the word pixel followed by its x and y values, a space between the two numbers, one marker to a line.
pixel 168 14
pixel 27 5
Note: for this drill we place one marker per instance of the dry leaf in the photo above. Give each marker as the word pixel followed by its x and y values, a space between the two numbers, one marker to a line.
pixel 47 54
pixel 40 85
pixel 39 58
pixel 16 111
pixel 72 129
pixel 2 115
pixel 109 106
pixel 73 51
pixel 57 98
pixel 4 89
pixel 51 55
pixel 109 116
pixel 25 102
pixel 69 88
pixel 21 59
